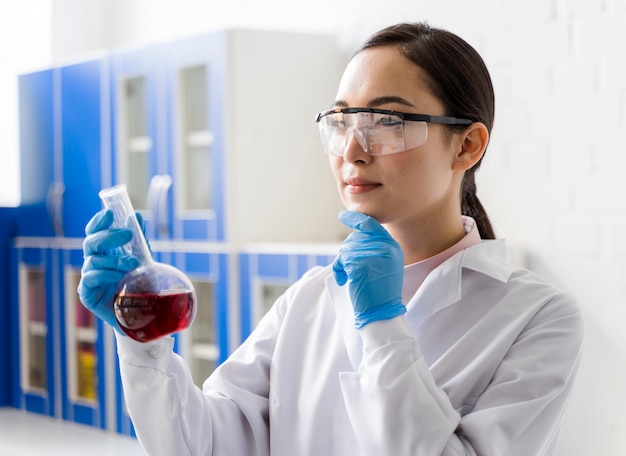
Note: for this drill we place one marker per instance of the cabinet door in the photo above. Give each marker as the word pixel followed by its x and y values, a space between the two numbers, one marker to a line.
pixel 196 94
pixel 36 151
pixel 84 381
pixel 37 343
pixel 138 130
pixel 63 112
pixel 85 148
pixel 205 343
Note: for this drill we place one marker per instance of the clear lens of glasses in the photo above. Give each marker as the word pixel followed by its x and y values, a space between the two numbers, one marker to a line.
pixel 377 134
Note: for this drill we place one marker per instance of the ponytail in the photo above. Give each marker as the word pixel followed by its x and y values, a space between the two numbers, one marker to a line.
pixel 472 207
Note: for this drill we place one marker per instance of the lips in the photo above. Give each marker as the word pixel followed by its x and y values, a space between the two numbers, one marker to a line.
pixel 357 185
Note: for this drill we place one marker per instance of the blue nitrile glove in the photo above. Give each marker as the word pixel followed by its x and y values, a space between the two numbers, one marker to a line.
pixel 372 263
pixel 104 265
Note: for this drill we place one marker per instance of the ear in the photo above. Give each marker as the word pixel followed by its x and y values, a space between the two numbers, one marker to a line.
pixel 472 145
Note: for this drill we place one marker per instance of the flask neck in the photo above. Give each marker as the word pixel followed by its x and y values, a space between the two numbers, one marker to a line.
pixel 138 245
pixel 117 200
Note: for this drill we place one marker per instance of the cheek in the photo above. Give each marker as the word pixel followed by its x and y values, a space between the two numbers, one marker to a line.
pixel 405 166
pixel 335 166
pixel 416 172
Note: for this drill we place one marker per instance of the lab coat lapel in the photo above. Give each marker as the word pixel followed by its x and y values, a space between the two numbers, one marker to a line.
pixel 340 299
pixel 442 287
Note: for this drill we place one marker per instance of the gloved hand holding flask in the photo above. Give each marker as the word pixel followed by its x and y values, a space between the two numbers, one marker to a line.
pixel 122 284
pixel 372 263
pixel 104 265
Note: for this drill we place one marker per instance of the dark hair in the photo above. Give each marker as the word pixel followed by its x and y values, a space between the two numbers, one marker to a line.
pixel 459 77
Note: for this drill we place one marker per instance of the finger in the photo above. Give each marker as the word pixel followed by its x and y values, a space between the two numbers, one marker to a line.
pixel 98 278
pixel 359 221
pixel 101 221
pixel 101 241
pixel 122 263
pixel 340 274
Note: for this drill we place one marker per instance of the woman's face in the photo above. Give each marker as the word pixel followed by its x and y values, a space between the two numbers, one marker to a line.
pixel 416 185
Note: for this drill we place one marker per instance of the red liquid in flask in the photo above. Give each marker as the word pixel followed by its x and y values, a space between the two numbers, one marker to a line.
pixel 148 316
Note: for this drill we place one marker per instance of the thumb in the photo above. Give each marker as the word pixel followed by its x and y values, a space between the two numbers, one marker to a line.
pixel 340 274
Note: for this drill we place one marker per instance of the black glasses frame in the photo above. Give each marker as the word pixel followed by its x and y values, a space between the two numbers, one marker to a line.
pixel 403 115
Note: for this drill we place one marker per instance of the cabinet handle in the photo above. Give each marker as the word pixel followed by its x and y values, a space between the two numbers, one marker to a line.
pixel 151 197
pixel 54 204
pixel 157 202
pixel 162 219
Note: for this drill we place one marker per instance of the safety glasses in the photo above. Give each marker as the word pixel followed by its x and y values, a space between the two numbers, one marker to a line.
pixel 378 131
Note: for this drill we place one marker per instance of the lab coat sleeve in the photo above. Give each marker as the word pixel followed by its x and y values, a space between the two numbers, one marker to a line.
pixel 395 406
pixel 420 420
pixel 172 416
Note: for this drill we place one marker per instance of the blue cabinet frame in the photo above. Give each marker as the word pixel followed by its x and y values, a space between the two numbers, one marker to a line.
pixel 35 370
pixel 8 329
pixel 82 348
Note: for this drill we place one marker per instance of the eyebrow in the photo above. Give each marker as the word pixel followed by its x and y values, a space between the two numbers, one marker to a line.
pixel 379 101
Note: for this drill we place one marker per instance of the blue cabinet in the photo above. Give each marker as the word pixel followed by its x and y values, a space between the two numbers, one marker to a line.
pixel 84 352
pixel 214 138
pixel 63 145
pixel 64 119
pixel 36 369
pixel 63 350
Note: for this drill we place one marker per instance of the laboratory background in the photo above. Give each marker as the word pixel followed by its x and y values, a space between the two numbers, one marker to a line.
pixel 96 92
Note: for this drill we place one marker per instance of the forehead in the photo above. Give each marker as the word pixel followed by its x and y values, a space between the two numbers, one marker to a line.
pixel 384 72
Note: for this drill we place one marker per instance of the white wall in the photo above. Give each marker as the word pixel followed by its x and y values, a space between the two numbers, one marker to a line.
pixel 25 30
pixel 552 177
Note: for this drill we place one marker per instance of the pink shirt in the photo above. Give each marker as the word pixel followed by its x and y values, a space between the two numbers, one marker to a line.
pixel 415 274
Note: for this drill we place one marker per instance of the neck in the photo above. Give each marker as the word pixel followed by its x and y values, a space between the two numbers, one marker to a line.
pixel 421 239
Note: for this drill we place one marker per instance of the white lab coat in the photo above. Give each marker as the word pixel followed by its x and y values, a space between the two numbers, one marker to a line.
pixel 482 364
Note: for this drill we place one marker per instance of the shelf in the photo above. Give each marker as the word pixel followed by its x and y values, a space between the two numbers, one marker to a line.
pixel 36 328
pixel 202 138
pixel 139 144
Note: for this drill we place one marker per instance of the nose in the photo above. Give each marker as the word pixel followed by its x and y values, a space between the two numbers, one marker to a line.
pixel 355 147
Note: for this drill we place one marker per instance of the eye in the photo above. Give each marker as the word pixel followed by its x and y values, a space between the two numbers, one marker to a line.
pixel 336 121
pixel 388 121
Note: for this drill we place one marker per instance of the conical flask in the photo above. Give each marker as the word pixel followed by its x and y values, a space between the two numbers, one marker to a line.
pixel 155 299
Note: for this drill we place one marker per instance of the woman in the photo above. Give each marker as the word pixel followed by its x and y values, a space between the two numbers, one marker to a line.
pixel 435 345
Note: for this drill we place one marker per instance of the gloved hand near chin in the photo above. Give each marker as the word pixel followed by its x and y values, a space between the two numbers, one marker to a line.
pixel 104 265
pixel 372 263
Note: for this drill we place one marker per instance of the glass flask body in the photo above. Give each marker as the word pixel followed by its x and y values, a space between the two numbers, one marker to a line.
pixel 155 299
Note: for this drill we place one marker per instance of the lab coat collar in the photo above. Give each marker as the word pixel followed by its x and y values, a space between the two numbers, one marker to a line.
pixel 440 289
